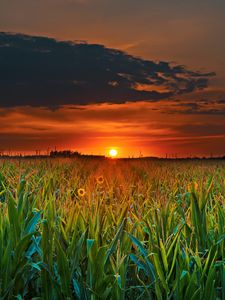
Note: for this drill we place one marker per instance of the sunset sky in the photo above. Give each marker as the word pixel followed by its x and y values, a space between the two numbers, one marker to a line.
pixel 141 76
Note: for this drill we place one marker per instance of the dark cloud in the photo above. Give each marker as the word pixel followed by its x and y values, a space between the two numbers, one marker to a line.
pixel 200 107
pixel 39 71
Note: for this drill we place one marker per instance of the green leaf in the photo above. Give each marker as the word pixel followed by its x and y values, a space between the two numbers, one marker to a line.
pixel 33 222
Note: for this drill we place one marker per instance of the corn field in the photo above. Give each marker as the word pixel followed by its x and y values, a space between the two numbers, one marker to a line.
pixel 112 229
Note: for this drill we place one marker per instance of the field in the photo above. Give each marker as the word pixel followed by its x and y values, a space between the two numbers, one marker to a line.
pixel 112 229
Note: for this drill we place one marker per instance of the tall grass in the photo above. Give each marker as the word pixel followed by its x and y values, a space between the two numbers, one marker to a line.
pixel 146 230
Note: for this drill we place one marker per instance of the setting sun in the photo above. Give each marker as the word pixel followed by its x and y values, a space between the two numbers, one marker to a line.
pixel 113 152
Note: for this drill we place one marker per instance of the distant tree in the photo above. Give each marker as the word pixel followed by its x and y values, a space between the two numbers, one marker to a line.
pixel 64 153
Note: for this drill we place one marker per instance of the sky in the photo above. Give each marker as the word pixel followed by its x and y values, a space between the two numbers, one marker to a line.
pixel 146 77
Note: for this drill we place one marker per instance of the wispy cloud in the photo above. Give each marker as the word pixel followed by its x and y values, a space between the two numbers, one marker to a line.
pixel 142 125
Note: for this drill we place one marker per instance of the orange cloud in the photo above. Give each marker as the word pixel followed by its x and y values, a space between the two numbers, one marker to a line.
pixel 148 127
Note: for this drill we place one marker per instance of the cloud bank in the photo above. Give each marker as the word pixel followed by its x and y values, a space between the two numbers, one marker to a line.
pixel 40 71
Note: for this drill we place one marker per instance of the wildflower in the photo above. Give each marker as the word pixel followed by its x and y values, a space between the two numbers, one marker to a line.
pixel 100 180
pixel 81 192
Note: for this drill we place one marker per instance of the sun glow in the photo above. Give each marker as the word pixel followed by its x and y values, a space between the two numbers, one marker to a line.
pixel 113 152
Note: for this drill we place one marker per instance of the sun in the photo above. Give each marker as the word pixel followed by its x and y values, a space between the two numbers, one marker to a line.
pixel 113 152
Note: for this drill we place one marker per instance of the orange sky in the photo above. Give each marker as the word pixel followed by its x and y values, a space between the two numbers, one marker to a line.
pixel 132 128
pixel 189 33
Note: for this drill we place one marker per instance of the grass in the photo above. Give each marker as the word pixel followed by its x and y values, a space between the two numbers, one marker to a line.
pixel 112 229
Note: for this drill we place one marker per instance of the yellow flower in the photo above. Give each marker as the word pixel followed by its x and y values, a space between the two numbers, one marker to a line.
pixel 100 180
pixel 81 192
pixel 196 185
